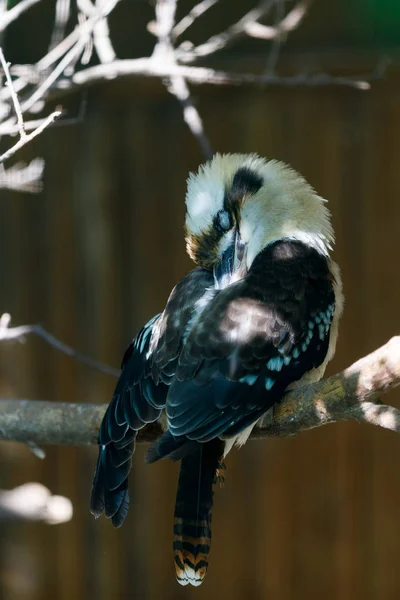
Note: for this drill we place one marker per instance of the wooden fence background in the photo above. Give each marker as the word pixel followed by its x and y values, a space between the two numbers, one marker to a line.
pixel 96 254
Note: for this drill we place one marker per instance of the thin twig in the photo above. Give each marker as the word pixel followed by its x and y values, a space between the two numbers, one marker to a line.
pixel 350 395
pixel 19 333
pixel 81 31
pixel 221 40
pixel 42 89
pixel 14 97
pixel 293 19
pixel 276 42
pixel 190 18
pixel 24 138
pixel 62 14
pixel 12 128
pixel 176 85
pixel 101 32
pixel 15 12
pixel 29 137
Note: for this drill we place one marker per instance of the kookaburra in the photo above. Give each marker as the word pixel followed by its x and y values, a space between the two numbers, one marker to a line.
pixel 256 316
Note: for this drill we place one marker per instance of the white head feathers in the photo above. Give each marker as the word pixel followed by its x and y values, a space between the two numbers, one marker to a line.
pixel 270 201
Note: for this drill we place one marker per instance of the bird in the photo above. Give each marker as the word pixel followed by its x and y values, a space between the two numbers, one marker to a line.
pixel 258 315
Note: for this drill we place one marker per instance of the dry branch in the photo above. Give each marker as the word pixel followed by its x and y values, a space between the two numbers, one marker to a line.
pixel 11 15
pixel 176 84
pixel 56 73
pixel 19 333
pixel 24 137
pixel 350 395
pixel 247 26
pixel 196 12
pixel 148 67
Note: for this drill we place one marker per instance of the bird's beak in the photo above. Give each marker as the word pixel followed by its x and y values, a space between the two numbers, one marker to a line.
pixel 232 265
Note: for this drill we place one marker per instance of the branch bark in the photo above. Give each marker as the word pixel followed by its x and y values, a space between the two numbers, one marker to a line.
pixel 349 395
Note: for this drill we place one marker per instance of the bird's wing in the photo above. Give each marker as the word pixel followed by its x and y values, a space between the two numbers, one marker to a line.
pixel 140 394
pixel 150 361
pixel 188 297
pixel 251 341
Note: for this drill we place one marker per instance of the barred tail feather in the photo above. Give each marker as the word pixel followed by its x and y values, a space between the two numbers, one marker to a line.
pixel 194 500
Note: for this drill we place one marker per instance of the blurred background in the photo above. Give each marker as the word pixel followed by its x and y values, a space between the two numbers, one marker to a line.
pixel 94 256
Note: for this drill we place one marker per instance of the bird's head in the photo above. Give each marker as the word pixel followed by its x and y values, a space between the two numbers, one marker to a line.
pixel 237 204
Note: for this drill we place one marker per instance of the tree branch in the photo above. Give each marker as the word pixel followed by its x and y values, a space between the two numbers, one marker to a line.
pixel 196 12
pixel 164 52
pixel 148 67
pixel 24 137
pixel 56 73
pixel 19 333
pixel 11 15
pixel 350 395
pixel 222 39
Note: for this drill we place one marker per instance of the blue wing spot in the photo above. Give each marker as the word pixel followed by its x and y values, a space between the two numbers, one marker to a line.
pixel 269 383
pixel 325 317
pixel 296 353
pixel 287 360
pixel 321 329
pixel 275 364
pixel 317 319
pixel 249 379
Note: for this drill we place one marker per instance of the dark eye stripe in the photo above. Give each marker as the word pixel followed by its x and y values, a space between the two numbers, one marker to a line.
pixel 223 221
pixel 245 182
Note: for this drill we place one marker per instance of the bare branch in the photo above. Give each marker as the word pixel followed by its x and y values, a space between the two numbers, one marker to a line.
pixel 178 87
pixel 24 138
pixel 148 67
pixel 190 18
pixel 34 502
pixel 80 34
pixel 273 55
pixel 101 32
pixel 164 52
pixel 13 93
pixel 350 395
pixel 10 128
pixel 43 88
pixel 28 138
pixel 221 40
pixel 11 15
pixel 63 10
pixel 293 19
pixel 18 333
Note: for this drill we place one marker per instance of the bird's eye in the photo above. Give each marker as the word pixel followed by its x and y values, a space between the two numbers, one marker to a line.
pixel 223 221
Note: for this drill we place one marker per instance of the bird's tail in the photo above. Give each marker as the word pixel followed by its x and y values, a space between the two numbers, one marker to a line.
pixel 192 520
